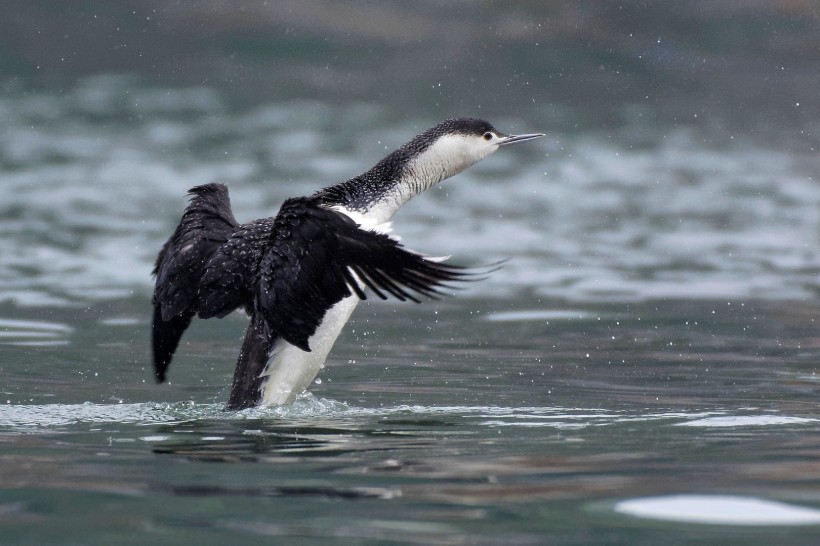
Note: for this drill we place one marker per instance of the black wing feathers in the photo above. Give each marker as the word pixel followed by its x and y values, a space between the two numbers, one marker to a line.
pixel 229 281
pixel 285 271
pixel 315 260
pixel 205 225
pixel 301 276
pixel 165 336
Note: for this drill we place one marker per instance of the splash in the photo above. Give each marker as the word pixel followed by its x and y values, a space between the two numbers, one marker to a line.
pixel 309 409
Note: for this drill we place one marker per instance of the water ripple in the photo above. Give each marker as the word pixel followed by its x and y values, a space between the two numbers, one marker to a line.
pixel 308 409
pixel 94 183
pixel 32 333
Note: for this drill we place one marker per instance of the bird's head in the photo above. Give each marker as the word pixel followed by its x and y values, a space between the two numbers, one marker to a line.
pixel 455 144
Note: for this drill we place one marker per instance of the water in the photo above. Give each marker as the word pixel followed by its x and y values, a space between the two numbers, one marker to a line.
pixel 643 368
pixel 95 177
pixel 489 421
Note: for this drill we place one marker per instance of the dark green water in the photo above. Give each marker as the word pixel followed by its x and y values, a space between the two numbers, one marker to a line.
pixel 500 421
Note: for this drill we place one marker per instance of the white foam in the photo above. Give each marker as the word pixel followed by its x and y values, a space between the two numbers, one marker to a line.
pixel 719 510
pixel 746 421
pixel 307 406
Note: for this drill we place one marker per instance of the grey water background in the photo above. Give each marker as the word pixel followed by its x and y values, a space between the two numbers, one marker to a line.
pixel 642 369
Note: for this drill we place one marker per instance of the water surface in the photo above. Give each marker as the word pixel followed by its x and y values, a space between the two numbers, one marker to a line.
pixel 486 421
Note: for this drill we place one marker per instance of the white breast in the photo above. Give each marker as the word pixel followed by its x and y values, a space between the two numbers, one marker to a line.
pixel 376 218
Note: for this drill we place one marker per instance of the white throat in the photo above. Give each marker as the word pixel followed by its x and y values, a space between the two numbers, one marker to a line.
pixel 446 157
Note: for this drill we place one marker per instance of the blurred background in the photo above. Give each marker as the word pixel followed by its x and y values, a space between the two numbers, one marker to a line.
pixel 681 158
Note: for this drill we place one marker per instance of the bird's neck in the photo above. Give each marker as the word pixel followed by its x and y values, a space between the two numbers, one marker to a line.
pixel 378 193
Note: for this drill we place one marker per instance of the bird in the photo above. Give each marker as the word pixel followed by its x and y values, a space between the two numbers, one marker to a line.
pixel 299 274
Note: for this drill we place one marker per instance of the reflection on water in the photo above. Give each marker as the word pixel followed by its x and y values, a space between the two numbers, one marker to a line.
pixel 747 420
pixel 719 510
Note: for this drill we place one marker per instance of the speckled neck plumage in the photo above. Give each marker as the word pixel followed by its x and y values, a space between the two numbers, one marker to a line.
pixel 424 161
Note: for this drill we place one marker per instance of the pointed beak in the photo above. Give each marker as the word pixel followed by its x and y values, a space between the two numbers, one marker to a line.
pixel 512 139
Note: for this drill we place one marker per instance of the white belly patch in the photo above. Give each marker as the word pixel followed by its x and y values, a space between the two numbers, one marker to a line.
pixel 290 370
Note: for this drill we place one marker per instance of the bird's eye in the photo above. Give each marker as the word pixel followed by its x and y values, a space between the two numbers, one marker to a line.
pixel 488 136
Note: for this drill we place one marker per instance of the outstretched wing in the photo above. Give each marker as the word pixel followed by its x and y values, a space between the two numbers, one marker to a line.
pixel 319 256
pixel 205 225
pixel 287 272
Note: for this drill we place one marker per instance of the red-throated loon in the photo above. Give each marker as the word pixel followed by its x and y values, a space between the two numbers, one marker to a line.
pixel 300 274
